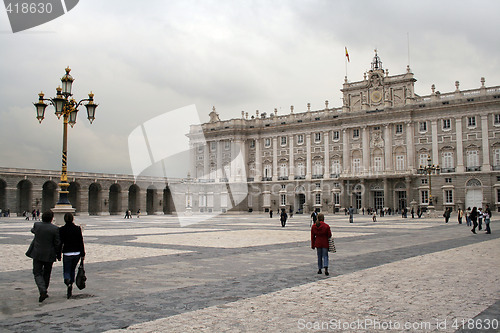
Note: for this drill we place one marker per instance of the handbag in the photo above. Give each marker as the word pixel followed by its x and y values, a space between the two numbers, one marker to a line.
pixel 80 276
pixel 331 245
pixel 30 248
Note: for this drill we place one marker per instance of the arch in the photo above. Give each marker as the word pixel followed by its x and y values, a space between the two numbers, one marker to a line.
pixel 49 195
pixel 24 196
pixel 134 192
pixel 74 196
pixel 151 202
pixel 3 195
pixel 95 196
pixel 300 189
pixel 168 201
pixel 473 182
pixel 115 199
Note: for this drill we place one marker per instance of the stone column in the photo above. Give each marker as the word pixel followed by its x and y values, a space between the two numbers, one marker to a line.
pixel 486 151
pixel 386 192
pixel 275 158
pixel 366 150
pixel 308 157
pixel 409 192
pixel 206 162
pixel 232 165
pixel 365 195
pixel 291 157
pixel 242 173
pixel 220 168
pixel 388 148
pixel 192 157
pixel 326 173
pixel 410 146
pixel 460 148
pixel 258 161
pixel 346 158
pixel 435 149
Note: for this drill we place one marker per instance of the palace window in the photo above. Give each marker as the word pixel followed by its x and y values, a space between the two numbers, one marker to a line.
pixel 268 171
pixel 496 121
pixel 252 143
pixel 400 162
pixel 336 198
pixel 200 149
pixel 448 180
pixel 446 124
pixel 300 139
pixel 422 126
pixel 301 169
pixel 336 135
pixel 283 170
pixel 422 159
pixel 496 157
pixel 399 128
pixel 213 146
pixel 317 137
pixel 377 163
pixel 448 196
pixel 447 160
pixel 424 196
pixel 283 200
pixel 336 167
pixel 317 168
pixel 267 142
pixel 318 199
pixel 424 181
pixel 471 122
pixel 227 145
pixel 472 158
pixel 283 140
pixel 355 133
pixel 356 165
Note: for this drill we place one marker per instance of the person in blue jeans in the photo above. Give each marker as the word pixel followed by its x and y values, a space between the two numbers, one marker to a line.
pixel 320 232
pixel 72 248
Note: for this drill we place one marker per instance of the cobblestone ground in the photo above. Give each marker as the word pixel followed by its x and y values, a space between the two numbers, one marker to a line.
pixel 245 273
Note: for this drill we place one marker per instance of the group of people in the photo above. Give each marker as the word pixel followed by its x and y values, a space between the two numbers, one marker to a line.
pixel 474 218
pixel 49 243
pixel 4 212
pixel 35 215
pixel 128 214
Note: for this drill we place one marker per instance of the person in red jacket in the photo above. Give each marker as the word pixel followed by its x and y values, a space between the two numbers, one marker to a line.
pixel 320 232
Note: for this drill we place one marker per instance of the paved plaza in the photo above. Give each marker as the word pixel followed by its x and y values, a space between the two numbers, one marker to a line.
pixel 245 273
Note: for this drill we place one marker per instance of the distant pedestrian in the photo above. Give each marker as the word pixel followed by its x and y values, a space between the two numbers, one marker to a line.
pixel 374 216
pixel 283 218
pixel 480 218
pixel 38 214
pixel 271 213
pixel 473 218
pixel 127 214
pixel 467 217
pixel 138 213
pixel 446 214
pixel 320 232
pixel 351 215
pixel 314 216
pixel 72 250
pixel 487 218
pixel 460 214
pixel 44 250
pixel 291 212
pixel 412 213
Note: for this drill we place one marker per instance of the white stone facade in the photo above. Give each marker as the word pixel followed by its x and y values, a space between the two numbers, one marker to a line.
pixel 364 154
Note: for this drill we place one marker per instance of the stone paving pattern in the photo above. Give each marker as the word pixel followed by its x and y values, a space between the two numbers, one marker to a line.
pixel 244 273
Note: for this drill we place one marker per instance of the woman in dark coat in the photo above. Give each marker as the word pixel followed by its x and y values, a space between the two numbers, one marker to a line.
pixel 72 250
pixel 320 232
pixel 473 217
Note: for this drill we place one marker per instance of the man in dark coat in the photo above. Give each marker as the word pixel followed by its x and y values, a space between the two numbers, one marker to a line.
pixel 44 251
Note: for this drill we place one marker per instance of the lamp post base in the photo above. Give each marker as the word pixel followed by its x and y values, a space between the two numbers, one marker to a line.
pixel 431 211
pixel 59 210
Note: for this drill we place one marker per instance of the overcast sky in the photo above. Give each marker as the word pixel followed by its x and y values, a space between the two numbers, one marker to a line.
pixel 145 58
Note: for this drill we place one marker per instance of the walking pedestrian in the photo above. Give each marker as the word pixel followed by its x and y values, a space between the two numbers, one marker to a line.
pixel 283 217
pixel 72 250
pixel 271 213
pixel 460 215
pixel 351 215
pixel 487 218
pixel 138 213
pixel 446 214
pixel 374 216
pixel 473 218
pixel 314 217
pixel 412 213
pixel 480 218
pixel 467 217
pixel 320 232
pixel 44 250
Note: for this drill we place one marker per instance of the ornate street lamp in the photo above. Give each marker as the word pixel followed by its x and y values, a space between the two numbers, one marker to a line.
pixel 67 107
pixel 430 169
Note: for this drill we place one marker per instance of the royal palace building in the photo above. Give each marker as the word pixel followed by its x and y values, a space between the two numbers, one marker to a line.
pixel 385 147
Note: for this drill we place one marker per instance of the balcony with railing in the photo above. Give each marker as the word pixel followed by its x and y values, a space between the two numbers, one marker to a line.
pixel 447 170
pixel 267 179
pixel 317 176
pixel 473 168
pixel 299 177
pixel 283 178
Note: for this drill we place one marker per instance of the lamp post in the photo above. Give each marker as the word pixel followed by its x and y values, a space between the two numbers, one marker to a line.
pixel 430 169
pixel 67 107
pixel 188 199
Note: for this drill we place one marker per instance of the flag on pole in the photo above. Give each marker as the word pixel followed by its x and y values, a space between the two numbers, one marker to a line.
pixel 347 54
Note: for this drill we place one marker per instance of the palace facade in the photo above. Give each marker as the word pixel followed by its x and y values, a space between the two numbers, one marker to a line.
pixel 368 153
